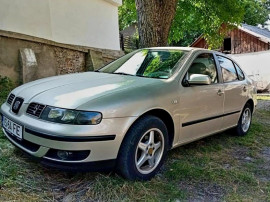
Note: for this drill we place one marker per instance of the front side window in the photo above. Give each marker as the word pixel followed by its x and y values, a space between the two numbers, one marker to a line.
pixel 227 68
pixel 147 63
pixel 204 64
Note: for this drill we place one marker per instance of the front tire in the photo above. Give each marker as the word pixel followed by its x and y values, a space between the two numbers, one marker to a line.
pixel 144 149
pixel 244 121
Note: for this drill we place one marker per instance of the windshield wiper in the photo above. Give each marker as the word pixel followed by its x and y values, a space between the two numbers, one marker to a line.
pixel 123 73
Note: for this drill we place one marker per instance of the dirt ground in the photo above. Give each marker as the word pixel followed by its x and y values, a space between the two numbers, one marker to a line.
pixel 263 105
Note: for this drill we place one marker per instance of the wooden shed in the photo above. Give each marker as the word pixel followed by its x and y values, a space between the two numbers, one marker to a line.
pixel 244 39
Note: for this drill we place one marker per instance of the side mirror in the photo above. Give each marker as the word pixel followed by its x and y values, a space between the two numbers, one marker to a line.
pixel 199 79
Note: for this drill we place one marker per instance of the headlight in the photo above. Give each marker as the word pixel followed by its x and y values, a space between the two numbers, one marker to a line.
pixel 67 116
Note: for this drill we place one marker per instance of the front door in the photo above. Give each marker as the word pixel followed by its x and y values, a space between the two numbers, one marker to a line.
pixel 201 106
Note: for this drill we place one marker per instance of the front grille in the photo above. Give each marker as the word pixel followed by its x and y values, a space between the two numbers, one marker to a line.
pixel 35 109
pixel 10 98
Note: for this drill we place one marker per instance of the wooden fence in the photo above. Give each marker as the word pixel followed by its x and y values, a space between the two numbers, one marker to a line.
pixel 128 43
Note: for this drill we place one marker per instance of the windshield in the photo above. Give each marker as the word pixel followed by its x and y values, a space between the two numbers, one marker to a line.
pixel 147 63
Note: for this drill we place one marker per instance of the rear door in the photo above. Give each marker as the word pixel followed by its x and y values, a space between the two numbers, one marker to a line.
pixel 235 91
pixel 201 106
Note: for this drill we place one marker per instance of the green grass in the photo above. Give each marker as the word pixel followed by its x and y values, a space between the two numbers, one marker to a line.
pixel 221 167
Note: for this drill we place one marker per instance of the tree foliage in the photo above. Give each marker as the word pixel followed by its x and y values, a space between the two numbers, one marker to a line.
pixel 127 14
pixel 206 17
pixel 256 12
pixel 197 15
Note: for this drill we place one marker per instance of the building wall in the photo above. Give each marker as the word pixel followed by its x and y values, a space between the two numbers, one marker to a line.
pixel 92 23
pixel 30 17
pixel 51 58
pixel 241 42
pixel 201 43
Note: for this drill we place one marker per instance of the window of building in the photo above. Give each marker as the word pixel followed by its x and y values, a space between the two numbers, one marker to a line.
pixel 227 45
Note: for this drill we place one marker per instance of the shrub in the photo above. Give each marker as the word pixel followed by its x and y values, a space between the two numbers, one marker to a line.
pixel 6 85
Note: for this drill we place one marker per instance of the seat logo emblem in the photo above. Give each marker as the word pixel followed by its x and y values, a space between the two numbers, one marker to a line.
pixel 16 105
pixel 35 109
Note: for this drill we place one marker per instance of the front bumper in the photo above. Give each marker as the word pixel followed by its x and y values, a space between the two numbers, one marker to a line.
pixel 40 138
pixel 104 165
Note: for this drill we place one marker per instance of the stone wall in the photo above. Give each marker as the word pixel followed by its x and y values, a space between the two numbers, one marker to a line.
pixel 69 61
pixel 51 58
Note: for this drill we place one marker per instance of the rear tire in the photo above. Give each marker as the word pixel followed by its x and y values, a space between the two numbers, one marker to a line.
pixel 244 121
pixel 144 149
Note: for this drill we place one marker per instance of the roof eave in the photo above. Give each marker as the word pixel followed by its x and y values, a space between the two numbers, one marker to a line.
pixel 259 36
pixel 196 41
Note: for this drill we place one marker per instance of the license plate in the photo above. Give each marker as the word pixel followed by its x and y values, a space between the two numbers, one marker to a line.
pixel 12 128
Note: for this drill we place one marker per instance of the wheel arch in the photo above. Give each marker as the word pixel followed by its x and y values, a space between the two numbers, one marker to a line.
pixel 251 102
pixel 165 116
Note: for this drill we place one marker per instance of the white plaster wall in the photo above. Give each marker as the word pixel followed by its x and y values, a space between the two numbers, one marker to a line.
pixel 92 23
pixel 30 17
pixel 115 2
pixel 88 22
pixel 256 65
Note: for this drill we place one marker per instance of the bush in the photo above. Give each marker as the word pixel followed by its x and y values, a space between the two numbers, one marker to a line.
pixel 6 85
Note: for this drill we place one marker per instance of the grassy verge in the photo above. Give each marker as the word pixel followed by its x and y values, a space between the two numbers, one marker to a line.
pixel 263 97
pixel 220 167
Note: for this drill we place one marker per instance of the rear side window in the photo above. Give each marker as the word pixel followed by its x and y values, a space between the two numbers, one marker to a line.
pixel 228 70
pixel 239 72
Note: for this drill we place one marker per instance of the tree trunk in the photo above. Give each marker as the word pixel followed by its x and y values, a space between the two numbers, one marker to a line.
pixel 154 21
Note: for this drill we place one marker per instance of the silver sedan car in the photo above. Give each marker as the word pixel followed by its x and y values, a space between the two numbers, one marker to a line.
pixel 127 115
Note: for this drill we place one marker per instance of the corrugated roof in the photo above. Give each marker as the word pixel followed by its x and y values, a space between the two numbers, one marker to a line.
pixel 265 33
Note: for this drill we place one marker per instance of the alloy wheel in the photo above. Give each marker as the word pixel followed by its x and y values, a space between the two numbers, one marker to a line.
pixel 246 119
pixel 149 151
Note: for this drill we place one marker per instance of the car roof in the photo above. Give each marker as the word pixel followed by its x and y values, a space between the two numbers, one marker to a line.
pixel 187 49
pixel 175 48
pixel 193 49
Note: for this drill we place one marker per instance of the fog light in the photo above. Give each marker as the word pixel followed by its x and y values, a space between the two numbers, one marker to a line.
pixel 67 155
pixel 64 155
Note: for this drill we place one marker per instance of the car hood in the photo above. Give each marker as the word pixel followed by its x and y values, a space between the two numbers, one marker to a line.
pixel 73 90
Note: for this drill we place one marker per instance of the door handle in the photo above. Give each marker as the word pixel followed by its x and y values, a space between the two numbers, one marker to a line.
pixel 220 92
